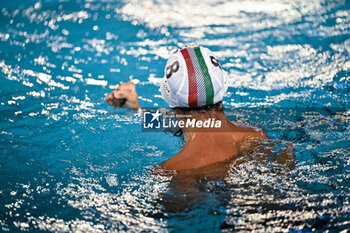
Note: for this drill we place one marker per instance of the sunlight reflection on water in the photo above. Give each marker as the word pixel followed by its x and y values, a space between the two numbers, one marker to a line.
pixel 71 163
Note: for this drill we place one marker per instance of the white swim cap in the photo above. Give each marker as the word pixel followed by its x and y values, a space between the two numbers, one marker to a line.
pixel 193 78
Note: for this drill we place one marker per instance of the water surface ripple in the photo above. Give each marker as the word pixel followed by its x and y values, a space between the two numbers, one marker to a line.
pixel 69 162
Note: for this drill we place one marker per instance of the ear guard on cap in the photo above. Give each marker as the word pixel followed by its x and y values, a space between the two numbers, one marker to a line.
pixel 165 90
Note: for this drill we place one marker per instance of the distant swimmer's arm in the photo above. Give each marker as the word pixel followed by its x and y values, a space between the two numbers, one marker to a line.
pixel 124 96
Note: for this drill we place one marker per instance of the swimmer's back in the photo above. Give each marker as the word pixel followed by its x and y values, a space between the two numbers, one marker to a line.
pixel 206 148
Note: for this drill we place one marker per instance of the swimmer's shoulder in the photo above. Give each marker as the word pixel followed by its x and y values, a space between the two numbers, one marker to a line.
pixel 249 130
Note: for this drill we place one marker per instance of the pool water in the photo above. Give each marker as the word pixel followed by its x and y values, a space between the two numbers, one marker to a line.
pixel 70 162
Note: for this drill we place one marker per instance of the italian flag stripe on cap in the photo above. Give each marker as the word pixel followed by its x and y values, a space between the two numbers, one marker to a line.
pixel 209 89
pixel 192 82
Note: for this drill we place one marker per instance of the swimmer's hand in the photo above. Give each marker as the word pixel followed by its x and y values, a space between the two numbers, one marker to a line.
pixel 124 96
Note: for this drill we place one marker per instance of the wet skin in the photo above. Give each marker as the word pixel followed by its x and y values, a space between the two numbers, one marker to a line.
pixel 204 148
pixel 124 96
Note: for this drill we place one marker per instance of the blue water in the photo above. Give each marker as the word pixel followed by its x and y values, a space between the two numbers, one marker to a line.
pixel 70 162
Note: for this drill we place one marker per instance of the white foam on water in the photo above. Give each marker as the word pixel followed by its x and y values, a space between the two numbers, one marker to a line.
pixel 201 13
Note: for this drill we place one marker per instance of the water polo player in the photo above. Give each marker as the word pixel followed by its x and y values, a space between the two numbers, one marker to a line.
pixel 194 85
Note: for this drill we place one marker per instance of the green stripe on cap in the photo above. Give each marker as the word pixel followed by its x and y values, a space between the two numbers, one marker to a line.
pixel 209 89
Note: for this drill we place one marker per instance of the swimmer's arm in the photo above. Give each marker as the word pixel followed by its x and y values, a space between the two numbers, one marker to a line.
pixel 264 152
pixel 287 158
pixel 124 96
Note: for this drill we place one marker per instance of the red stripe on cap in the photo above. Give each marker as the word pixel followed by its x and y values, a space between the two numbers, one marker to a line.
pixel 192 82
